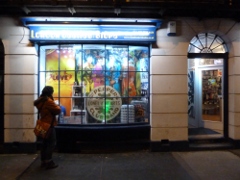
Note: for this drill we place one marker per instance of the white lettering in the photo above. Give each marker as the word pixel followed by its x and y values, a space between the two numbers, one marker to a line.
pixel 73 34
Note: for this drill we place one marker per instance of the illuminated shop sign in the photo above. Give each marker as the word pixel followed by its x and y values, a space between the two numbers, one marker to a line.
pixel 102 108
pixel 92 33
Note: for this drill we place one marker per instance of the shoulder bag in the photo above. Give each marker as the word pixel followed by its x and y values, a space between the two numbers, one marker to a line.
pixel 43 129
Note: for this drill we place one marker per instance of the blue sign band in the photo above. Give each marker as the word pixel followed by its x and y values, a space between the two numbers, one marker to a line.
pixel 143 33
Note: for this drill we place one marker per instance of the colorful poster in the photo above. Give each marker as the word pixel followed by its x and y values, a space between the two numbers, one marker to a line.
pixel 140 58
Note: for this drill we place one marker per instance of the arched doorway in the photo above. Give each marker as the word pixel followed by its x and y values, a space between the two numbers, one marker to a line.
pixel 207 86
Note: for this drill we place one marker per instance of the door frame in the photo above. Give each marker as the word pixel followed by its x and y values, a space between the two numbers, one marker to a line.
pixel 1 93
pixel 223 56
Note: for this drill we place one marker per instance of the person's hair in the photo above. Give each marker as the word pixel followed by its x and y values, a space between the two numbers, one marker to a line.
pixel 47 91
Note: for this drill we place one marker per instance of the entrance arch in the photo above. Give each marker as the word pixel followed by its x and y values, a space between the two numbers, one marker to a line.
pixel 207 86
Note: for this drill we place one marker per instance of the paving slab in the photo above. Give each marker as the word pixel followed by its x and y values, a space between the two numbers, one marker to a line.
pixel 13 165
pixel 220 165
pixel 116 166
pixel 194 165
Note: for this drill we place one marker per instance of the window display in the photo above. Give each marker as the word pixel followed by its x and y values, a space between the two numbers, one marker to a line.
pixel 100 84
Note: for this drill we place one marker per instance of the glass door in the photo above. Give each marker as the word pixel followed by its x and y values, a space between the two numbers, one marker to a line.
pixel 210 100
pixel 205 90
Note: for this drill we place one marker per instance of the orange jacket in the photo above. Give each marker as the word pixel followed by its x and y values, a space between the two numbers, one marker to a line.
pixel 48 109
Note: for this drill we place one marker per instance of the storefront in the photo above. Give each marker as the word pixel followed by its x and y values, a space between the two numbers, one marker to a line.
pixel 100 75
pixel 175 84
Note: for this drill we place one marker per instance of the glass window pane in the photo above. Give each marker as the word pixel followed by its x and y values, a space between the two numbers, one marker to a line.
pixel 52 59
pixel 218 48
pixel 115 56
pixel 79 64
pixel 66 81
pixel 52 79
pixel 140 56
pixel 47 52
pixel 67 57
pixel 65 104
pixel 141 109
pixel 202 40
pixel 93 64
pixel 193 48
pixel 42 77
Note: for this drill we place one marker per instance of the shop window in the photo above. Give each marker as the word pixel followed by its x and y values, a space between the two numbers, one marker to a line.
pixel 97 84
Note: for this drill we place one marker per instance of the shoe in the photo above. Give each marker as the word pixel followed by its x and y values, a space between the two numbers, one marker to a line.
pixel 51 165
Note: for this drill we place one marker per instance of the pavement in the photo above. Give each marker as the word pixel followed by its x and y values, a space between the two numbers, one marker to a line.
pixel 137 165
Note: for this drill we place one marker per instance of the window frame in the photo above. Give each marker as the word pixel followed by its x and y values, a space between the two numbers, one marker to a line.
pixel 58 96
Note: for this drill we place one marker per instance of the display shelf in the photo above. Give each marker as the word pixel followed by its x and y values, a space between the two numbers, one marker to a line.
pixel 78 109
pixel 78 98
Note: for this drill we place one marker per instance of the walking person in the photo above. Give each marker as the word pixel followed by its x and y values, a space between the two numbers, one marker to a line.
pixel 48 110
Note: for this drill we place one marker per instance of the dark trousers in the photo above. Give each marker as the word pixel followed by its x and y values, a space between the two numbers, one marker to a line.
pixel 48 146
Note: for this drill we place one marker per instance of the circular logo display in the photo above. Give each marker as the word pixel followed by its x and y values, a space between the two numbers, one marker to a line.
pixel 104 103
